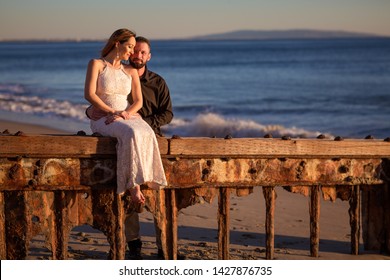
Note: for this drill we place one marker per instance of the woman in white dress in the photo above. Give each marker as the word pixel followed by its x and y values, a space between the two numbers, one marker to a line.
pixel 108 83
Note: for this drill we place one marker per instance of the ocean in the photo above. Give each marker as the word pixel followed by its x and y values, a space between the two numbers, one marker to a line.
pixel 298 88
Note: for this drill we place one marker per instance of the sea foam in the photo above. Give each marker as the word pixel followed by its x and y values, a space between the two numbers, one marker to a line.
pixel 214 125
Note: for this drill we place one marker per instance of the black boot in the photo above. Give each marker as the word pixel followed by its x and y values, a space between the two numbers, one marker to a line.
pixel 135 249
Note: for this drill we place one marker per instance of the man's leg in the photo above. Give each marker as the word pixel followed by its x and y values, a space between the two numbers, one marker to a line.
pixel 158 240
pixel 132 235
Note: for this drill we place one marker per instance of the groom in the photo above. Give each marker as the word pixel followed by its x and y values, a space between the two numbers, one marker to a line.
pixel 156 111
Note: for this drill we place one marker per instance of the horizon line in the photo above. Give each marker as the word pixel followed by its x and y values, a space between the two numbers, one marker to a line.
pixel 355 34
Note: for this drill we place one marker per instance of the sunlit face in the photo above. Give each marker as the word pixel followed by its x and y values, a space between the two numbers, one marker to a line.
pixel 126 49
pixel 140 56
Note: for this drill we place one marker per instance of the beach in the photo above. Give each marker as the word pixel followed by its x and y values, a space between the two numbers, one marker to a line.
pixel 14 127
pixel 197 232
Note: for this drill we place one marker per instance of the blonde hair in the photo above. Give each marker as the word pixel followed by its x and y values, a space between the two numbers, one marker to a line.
pixel 121 35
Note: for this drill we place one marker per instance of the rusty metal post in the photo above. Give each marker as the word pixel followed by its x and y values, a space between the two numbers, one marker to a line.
pixel 386 245
pixel 160 216
pixel 270 196
pixel 16 225
pixel 174 214
pixel 166 220
pixel 120 248
pixel 314 220
pixel 171 227
pixel 3 254
pixel 60 246
pixel 223 223
pixel 386 209
pixel 375 212
pixel 354 219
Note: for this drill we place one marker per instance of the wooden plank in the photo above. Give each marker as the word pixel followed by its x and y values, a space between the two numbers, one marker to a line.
pixel 266 148
pixel 63 146
pixel 85 146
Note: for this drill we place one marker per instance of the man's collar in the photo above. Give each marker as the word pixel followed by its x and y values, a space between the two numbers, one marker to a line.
pixel 146 74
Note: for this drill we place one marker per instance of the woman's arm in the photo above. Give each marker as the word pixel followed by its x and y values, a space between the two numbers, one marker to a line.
pixel 136 94
pixel 94 67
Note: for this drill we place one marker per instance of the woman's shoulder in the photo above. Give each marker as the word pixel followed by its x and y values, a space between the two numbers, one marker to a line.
pixel 130 69
pixel 96 64
pixel 97 61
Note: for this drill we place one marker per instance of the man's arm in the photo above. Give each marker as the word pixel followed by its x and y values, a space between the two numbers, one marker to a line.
pixel 165 114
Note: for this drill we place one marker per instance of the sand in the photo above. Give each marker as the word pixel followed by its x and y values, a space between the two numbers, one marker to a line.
pixel 197 232
pixel 14 127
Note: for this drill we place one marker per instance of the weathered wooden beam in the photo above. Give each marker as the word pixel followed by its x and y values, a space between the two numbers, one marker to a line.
pixel 270 148
pixel 86 146
pixel 59 146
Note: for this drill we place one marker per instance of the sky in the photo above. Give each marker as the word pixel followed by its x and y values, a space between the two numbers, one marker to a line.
pixel 172 19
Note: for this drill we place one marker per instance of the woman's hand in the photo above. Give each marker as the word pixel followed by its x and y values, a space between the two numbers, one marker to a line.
pixel 125 115
pixel 136 195
pixel 112 118
pixel 117 116
pixel 94 114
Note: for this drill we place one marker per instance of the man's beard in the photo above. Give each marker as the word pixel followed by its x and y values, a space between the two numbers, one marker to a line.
pixel 136 65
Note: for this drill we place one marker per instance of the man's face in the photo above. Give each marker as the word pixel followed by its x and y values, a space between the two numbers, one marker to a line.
pixel 140 56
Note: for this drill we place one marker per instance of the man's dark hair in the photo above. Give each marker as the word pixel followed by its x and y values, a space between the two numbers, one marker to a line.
pixel 143 40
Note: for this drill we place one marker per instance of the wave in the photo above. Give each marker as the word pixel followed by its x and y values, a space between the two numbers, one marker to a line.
pixel 15 98
pixel 214 125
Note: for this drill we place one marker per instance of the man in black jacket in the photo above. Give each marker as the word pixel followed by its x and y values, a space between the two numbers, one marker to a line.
pixel 156 111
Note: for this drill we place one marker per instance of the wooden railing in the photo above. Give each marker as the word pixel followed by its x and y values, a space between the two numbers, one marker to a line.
pixel 52 183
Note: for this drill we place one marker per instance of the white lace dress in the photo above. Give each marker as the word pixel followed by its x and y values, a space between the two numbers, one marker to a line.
pixel 138 155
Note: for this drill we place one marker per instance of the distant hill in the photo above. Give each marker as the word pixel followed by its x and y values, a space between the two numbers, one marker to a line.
pixel 281 34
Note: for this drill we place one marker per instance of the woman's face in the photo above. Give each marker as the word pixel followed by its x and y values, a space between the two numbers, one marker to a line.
pixel 126 49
